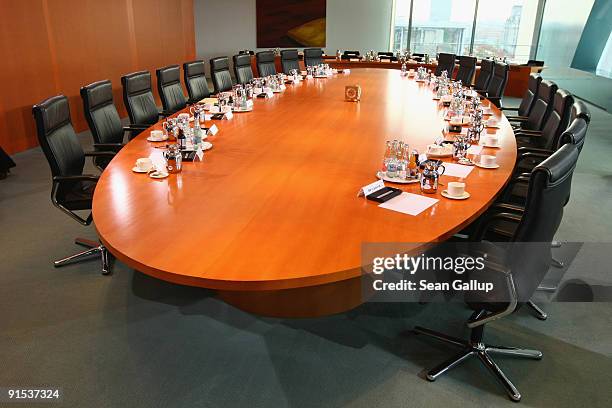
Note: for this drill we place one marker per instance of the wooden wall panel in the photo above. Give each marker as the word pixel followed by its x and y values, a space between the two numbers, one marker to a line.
pixel 57 46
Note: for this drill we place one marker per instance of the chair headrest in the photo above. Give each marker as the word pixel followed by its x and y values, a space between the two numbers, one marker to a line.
pixel 534 81
pixel 219 64
pixel 194 68
pixel 97 94
pixel 547 90
pixel 242 60
pixel 169 75
pixel 289 55
pixel 563 100
pixel 486 65
pixel 559 164
pixel 446 57
pixel 466 60
pixel 313 52
pixel 500 69
pixel 580 110
pixel 137 82
pixel 575 133
pixel 52 113
pixel 265 56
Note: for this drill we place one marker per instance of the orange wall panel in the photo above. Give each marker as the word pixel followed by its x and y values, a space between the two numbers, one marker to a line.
pixel 57 46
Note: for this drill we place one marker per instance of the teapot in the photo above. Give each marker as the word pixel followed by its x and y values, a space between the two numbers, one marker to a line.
pixel 432 170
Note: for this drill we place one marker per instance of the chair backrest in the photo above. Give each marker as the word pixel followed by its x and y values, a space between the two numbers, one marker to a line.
pixel 57 137
pixel 138 98
pixel 313 56
pixel 580 110
pixel 557 120
pixel 242 68
pixel 195 81
pixel 350 54
pixel 484 75
pixel 387 55
pixel 265 63
pixel 290 60
pixel 446 62
pixel 535 63
pixel 467 68
pixel 101 113
pixel 170 89
pixel 220 73
pixel 530 95
pixel 542 106
pixel 548 192
pixel 499 79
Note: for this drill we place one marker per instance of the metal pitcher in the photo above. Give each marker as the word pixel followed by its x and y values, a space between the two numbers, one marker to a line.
pixel 432 171
pixel 174 160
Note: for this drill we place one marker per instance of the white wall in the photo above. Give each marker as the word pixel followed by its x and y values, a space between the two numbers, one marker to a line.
pixel 224 27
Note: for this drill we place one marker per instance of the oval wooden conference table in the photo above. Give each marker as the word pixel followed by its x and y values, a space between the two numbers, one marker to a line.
pixel 271 217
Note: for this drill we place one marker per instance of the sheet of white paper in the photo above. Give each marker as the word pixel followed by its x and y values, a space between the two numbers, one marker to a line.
pixel 407 203
pixel 457 170
pixel 474 149
pixel 157 157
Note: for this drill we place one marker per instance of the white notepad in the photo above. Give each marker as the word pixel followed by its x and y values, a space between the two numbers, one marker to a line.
pixel 407 203
pixel 457 170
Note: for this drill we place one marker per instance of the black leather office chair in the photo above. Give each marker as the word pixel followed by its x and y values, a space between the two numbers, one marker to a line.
pixel 386 55
pixel 72 190
pixel 265 63
pixel 484 75
pixel 313 56
pixel 446 62
pixel 535 63
pixel 195 81
pixel 170 89
pixel 220 73
pixel 541 108
pixel 497 84
pixel 290 60
pixel 418 56
pixel 555 124
pixel 517 268
pixel 467 68
pixel 528 100
pixel 103 119
pixel 347 55
pixel 6 164
pixel 139 101
pixel 242 68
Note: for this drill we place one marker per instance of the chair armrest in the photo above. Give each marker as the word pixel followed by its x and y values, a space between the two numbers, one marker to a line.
pixel 82 177
pixel 165 114
pixel 99 154
pixel 531 132
pixel 525 149
pixel 109 145
pixel 517 118
pixel 135 127
pixel 510 109
pixel 504 207
pixel 495 100
pixel 489 218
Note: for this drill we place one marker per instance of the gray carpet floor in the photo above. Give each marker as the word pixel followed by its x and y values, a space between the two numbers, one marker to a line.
pixel 128 340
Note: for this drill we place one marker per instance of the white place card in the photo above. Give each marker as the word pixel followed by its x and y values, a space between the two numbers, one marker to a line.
pixel 346 71
pixel 309 76
pixel 249 103
pixel 257 91
pixel 228 115
pixel 213 130
pixel 474 149
pixel 370 188
pixel 354 60
pixel 457 170
pixel 408 203
pixel 199 154
pixel 207 116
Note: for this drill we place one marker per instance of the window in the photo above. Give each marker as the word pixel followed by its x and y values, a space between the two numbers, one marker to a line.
pixel 503 28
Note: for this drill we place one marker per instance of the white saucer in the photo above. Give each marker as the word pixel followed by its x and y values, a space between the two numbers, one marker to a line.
pixel 396 180
pixel 157 140
pixel 491 146
pixel 465 195
pixel 158 175
pixel 238 110
pixel 137 170
pixel 492 126
pixel 495 166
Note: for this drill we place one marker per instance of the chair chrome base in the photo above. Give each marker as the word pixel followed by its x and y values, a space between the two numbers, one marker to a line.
pixel 95 248
pixel 476 348
pixel 537 311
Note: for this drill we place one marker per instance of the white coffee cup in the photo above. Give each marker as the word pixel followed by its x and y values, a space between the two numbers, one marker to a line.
pixel 456 189
pixel 488 160
pixel 144 164
pixel 157 135
pixel 492 140
pixel 183 116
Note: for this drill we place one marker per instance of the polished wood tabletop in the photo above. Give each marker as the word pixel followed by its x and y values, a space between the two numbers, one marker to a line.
pixel 274 204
